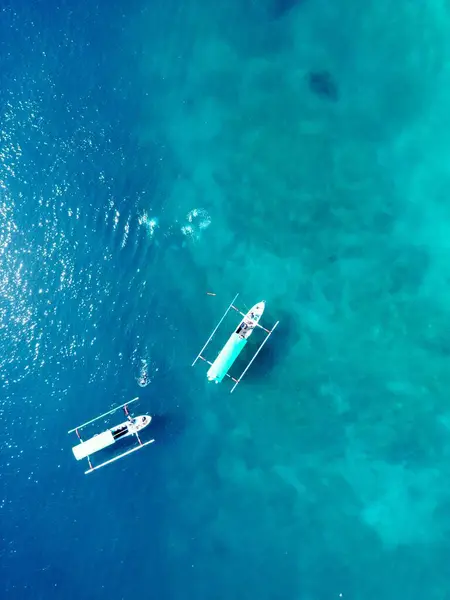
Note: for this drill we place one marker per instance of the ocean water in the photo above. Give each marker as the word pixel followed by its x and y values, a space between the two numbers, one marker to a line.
pixel 154 151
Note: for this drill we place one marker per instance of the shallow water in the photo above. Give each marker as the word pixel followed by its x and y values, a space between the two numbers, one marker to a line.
pixel 154 152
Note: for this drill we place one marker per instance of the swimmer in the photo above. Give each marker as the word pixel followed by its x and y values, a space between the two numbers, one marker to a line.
pixel 143 380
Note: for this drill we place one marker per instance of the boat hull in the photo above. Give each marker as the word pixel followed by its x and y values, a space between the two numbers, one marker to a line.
pixel 235 344
pixel 250 320
pixel 96 443
pixel 110 436
pixel 226 357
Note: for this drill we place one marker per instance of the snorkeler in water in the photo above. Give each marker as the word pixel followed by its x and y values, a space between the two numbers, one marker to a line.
pixel 143 380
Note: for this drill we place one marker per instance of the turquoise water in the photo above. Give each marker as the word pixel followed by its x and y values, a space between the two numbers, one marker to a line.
pixel 152 152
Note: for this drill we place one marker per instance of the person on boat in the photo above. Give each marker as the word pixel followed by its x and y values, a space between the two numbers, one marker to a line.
pixel 242 328
pixel 249 322
pixel 119 432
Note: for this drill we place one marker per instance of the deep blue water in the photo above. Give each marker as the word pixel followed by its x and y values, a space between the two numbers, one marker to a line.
pixel 151 152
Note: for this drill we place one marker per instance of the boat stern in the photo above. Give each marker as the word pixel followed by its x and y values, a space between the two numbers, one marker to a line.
pixel 226 358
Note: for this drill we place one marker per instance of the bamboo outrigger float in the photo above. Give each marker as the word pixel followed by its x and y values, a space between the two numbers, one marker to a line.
pixel 235 344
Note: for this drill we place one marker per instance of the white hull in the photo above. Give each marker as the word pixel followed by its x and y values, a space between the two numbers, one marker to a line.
pixel 96 443
pixel 251 320
pixel 220 367
pixel 110 436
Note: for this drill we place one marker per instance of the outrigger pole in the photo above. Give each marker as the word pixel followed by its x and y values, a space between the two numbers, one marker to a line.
pixel 111 460
pixel 217 327
pixel 101 416
pixel 238 380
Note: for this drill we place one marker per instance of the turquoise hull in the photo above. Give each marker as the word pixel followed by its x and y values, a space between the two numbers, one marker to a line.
pixel 226 358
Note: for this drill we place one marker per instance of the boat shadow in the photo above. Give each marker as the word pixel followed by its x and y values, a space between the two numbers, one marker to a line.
pixel 164 428
pixel 167 427
pixel 283 339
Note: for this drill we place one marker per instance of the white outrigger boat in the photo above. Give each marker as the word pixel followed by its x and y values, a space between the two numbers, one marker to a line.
pixel 236 342
pixel 132 426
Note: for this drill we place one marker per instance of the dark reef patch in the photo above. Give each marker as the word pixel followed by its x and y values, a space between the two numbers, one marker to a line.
pixel 322 84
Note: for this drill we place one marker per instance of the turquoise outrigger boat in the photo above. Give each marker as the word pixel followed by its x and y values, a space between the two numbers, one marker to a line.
pixel 236 343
